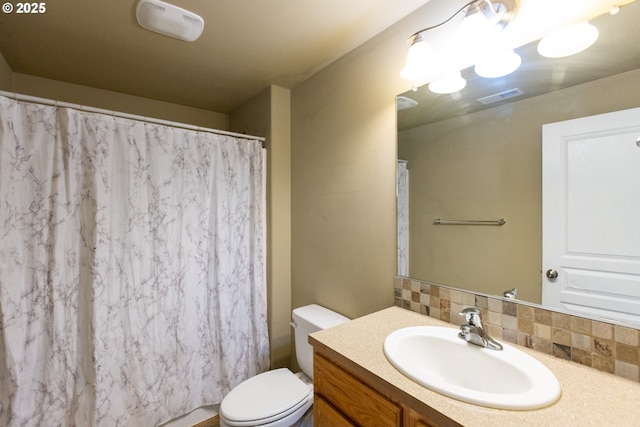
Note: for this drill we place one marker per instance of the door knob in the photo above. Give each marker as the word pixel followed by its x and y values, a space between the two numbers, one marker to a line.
pixel 552 274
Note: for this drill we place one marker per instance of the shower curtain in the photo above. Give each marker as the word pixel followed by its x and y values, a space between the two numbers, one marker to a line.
pixel 402 200
pixel 132 268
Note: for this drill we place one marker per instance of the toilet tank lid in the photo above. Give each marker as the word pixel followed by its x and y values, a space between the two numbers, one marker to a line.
pixel 318 316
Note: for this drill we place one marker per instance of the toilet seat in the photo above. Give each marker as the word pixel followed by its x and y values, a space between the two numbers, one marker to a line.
pixel 266 398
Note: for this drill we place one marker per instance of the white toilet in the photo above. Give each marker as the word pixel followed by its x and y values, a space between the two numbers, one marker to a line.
pixel 279 398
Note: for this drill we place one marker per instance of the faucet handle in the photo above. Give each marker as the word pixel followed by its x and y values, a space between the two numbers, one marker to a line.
pixel 472 315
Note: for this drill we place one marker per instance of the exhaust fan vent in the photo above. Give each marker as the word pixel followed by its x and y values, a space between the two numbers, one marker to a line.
pixel 170 20
pixel 403 102
pixel 497 97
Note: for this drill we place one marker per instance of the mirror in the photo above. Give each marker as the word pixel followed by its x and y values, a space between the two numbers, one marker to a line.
pixel 472 161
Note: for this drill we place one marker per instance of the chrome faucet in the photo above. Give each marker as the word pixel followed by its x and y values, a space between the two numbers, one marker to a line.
pixel 473 331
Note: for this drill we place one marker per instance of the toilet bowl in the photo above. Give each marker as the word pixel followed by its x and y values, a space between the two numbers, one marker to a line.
pixel 279 398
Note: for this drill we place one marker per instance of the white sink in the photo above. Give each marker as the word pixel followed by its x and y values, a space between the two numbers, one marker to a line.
pixel 504 379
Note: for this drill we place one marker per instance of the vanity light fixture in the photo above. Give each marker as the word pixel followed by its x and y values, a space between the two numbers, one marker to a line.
pixel 483 20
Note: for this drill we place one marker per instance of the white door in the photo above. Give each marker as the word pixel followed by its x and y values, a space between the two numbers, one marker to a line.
pixel 591 215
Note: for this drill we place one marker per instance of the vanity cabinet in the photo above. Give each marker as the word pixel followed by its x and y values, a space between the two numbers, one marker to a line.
pixel 355 385
pixel 344 398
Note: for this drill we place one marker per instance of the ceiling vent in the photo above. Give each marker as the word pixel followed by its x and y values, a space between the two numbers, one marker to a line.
pixel 403 102
pixel 170 20
pixel 497 97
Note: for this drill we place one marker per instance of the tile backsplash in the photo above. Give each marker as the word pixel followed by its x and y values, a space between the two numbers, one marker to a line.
pixel 604 346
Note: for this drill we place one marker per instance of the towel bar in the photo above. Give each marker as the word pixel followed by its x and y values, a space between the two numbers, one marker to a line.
pixel 439 221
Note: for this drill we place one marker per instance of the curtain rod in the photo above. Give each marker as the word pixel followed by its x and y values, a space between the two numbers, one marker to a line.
pixel 45 101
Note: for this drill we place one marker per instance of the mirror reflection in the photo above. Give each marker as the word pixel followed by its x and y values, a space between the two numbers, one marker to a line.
pixel 462 159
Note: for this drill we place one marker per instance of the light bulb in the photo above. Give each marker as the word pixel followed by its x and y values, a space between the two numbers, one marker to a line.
pixel 498 63
pixel 568 41
pixel 452 82
pixel 421 62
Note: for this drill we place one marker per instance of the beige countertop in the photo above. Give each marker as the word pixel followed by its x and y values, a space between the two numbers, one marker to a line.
pixel 589 397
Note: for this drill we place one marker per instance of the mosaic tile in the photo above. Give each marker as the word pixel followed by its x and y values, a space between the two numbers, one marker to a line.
pixel 456 318
pixel 581 325
pixel 581 356
pixel 542 316
pixel 424 299
pixel 434 301
pixel 495 331
pixel 526 312
pixel 603 347
pixel 510 308
pixel 626 335
pixel 494 305
pixel 494 318
pixel 482 301
pixel 542 345
pixel 525 340
pixel 561 321
pixel 561 336
pixel 562 351
pixel 542 331
pixel 456 297
pixel 602 330
pixel 581 341
pixel 415 296
pixel 415 286
pixel 435 291
pixel 627 353
pixel 525 325
pixel 510 322
pixel 601 363
pixel 424 309
pixel 510 335
pixel 468 299
pixel 627 370
pixel 445 310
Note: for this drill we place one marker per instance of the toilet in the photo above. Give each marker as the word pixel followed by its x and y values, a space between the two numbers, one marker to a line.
pixel 279 398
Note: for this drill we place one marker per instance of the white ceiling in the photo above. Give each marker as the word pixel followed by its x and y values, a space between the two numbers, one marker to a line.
pixel 246 45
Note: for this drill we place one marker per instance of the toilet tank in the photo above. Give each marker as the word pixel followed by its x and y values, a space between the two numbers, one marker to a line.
pixel 306 320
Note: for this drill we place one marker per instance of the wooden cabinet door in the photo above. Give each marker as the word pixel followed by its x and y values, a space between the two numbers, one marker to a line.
pixel 355 399
pixel 413 419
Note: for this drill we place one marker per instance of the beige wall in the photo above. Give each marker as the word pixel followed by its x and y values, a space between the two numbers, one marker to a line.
pixel 343 177
pixel 269 114
pixel 487 165
pixel 6 75
pixel 116 101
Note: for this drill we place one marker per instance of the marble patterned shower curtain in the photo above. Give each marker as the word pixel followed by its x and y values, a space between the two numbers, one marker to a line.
pixel 402 200
pixel 132 268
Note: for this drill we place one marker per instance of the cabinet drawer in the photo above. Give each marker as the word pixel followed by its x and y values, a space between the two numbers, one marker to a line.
pixel 356 400
pixel 325 415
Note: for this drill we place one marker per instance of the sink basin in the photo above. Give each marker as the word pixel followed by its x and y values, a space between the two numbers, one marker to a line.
pixel 504 379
